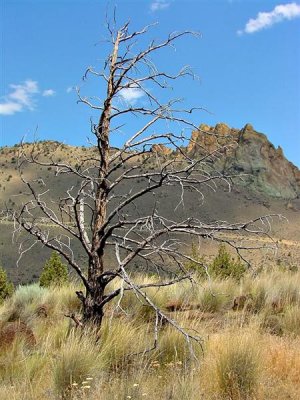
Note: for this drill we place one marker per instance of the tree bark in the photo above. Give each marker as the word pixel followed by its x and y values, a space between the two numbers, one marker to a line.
pixel 92 305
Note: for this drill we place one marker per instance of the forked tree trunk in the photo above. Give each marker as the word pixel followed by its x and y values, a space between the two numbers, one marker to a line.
pixel 93 302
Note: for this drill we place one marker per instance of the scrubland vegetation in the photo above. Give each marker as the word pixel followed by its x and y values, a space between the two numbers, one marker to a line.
pixel 250 346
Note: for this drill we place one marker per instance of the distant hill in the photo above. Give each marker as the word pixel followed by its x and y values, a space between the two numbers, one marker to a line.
pixel 268 183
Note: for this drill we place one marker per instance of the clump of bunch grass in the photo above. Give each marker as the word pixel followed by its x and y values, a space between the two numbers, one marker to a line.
pixel 237 368
pixel 119 339
pixel 210 301
pixel 272 323
pixel 76 361
pixel 63 299
pixel 173 348
pixel 291 320
pixel 10 362
pixel 54 273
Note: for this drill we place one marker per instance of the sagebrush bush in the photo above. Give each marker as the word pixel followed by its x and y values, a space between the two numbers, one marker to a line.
pixel 54 273
pixel 25 295
pixel 6 287
pixel 24 302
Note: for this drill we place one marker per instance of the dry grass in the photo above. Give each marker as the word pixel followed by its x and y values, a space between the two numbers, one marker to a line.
pixel 252 353
pixel 233 364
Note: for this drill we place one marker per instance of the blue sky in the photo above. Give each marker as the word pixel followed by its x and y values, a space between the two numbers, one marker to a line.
pixel 248 61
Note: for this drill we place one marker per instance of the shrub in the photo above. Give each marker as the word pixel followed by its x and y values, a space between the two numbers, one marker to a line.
pixel 55 273
pixel 225 266
pixel 23 303
pixel 6 287
pixel 29 294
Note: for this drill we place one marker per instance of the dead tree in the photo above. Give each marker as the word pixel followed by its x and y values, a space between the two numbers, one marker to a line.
pixel 103 208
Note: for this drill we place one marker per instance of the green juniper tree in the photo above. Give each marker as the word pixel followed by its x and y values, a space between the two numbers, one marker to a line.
pixel 224 265
pixel 6 287
pixel 54 273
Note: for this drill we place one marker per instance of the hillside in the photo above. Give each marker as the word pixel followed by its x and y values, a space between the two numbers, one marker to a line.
pixel 267 183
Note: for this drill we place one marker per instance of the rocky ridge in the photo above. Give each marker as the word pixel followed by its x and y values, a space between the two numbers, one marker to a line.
pixel 248 153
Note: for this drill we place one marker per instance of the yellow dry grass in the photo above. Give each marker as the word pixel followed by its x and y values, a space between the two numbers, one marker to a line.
pixel 243 356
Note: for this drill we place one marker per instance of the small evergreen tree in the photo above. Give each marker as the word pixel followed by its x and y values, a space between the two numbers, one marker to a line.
pixel 6 287
pixel 54 273
pixel 197 266
pixel 225 266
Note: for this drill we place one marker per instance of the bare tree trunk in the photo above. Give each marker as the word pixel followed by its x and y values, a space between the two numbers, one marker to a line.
pixel 93 303
pixel 92 308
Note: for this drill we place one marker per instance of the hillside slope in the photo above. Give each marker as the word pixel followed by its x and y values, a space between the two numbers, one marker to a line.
pixel 267 184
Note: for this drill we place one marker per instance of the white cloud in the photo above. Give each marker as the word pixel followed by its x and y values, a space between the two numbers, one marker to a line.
pixel 9 108
pixel 48 93
pixel 23 94
pixel 267 19
pixel 131 95
pixel 21 97
pixel 69 89
pixel 159 5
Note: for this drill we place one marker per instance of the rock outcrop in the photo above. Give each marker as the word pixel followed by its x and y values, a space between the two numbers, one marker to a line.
pixel 161 149
pixel 250 154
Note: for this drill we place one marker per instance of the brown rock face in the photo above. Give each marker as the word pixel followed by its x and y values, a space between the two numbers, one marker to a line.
pixel 250 153
pixel 212 139
pixel 161 149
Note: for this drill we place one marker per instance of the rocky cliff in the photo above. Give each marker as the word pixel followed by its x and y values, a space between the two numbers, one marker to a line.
pixel 263 167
